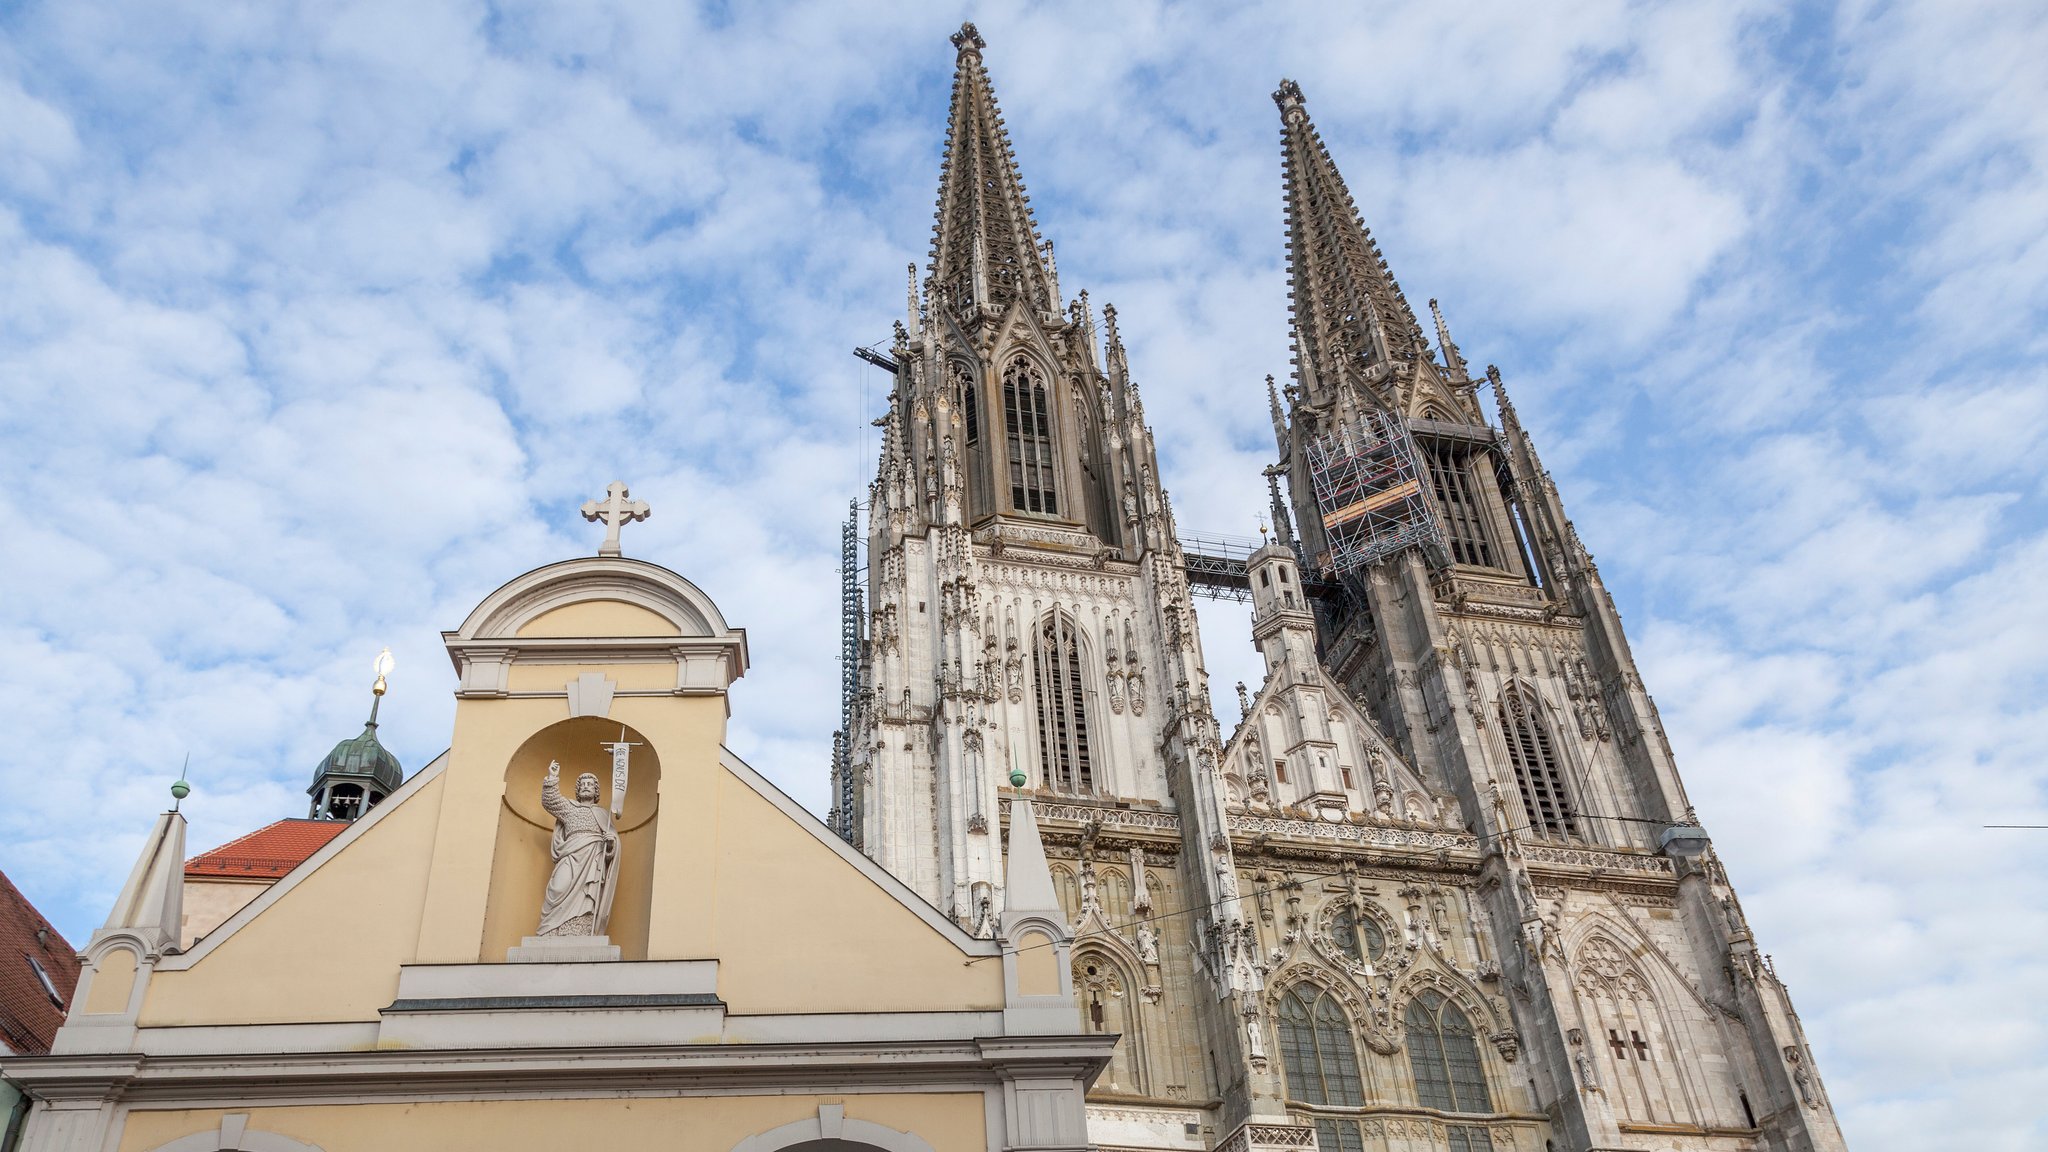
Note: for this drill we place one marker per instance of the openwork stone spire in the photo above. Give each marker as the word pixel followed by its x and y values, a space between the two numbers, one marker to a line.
pixel 1351 322
pixel 986 252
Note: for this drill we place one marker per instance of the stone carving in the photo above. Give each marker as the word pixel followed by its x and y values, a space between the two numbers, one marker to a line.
pixel 1802 1078
pixel 578 900
pixel 616 510
pixel 1588 1075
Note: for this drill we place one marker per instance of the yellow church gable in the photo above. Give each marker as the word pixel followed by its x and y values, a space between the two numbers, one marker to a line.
pixel 714 863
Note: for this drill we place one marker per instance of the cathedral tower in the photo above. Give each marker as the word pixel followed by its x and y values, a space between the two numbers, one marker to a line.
pixel 1463 612
pixel 1029 629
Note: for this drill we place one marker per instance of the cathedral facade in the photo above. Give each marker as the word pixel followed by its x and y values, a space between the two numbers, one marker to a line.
pixel 1440 888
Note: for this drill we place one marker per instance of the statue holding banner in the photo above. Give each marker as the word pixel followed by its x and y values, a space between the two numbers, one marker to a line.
pixel 578 900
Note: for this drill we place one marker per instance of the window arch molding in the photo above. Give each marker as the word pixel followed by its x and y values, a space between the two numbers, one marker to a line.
pixel 234 1134
pixel 832 1129
pixel 1642 1048
pixel 1029 388
pixel 1064 697
pixel 1446 1059
pixel 1318 1044
pixel 1544 765
pixel 1109 998
pixel 964 377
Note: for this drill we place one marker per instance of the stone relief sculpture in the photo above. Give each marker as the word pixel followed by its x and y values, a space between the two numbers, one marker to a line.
pixel 578 900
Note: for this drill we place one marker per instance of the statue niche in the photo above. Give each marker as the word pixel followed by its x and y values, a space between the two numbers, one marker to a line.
pixel 578 898
pixel 564 870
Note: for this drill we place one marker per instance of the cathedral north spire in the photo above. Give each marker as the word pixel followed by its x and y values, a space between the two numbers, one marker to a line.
pixel 1351 322
pixel 986 251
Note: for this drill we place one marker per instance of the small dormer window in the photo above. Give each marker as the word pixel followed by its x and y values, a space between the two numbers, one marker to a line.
pixel 43 978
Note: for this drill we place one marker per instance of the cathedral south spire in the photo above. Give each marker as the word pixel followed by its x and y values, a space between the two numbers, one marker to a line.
pixel 986 251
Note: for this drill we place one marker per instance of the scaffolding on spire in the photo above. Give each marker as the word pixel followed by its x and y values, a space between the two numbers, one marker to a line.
pixel 841 820
pixel 1368 488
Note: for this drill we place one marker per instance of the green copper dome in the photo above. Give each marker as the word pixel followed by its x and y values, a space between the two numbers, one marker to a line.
pixel 360 760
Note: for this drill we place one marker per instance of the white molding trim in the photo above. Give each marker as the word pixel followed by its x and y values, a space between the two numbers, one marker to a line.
pixel 233 1135
pixel 829 1124
pixel 938 920
pixel 651 586
pixel 290 880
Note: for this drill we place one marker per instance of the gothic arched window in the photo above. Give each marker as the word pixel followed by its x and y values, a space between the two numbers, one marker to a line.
pixel 1106 1006
pixel 1317 1050
pixel 1443 1052
pixel 1027 420
pixel 1537 770
pixel 1063 756
pixel 970 409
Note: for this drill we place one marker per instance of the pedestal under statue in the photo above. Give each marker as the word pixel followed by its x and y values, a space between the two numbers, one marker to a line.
pixel 576 908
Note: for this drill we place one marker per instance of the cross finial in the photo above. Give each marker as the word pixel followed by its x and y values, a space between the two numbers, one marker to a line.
pixel 616 511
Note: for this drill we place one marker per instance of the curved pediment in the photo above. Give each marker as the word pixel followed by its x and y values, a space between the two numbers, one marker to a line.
pixel 597 611
pixel 595 596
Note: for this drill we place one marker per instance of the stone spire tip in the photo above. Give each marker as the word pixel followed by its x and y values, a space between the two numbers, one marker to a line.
pixel 968 39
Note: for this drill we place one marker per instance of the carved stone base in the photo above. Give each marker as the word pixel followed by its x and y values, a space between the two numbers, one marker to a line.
pixel 1269 1134
pixel 562 950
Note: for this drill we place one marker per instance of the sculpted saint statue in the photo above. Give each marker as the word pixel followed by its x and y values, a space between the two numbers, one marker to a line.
pixel 578 901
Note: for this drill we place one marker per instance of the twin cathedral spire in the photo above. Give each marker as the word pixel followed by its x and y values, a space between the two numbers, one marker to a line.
pixel 1448 783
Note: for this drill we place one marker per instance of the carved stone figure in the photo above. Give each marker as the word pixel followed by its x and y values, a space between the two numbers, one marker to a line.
pixel 578 900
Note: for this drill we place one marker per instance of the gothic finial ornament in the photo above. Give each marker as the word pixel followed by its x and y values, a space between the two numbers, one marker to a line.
pixel 968 39
pixel 617 511
pixel 578 900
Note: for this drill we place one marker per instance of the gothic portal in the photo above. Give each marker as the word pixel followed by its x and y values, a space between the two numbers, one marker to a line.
pixel 1441 888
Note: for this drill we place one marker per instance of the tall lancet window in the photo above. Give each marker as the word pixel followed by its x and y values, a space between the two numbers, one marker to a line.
pixel 1443 1053
pixel 1317 1050
pixel 1027 419
pixel 967 394
pixel 1534 754
pixel 1063 757
pixel 1466 526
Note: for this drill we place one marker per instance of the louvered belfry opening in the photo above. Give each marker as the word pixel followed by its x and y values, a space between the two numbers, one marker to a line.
pixel 1465 520
pixel 1028 422
pixel 1537 771
pixel 1063 756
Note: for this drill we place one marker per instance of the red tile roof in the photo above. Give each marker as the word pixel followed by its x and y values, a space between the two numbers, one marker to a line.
pixel 267 853
pixel 29 1017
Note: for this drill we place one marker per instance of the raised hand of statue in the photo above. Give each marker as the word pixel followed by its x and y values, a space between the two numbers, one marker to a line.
pixel 554 772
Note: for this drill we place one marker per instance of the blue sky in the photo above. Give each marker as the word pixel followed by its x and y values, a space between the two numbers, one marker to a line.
pixel 318 321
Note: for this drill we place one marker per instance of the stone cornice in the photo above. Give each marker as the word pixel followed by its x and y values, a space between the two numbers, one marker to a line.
pixel 277 1078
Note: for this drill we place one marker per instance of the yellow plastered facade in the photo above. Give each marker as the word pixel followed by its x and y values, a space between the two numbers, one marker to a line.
pixel 343 929
pixel 712 868
pixel 948 1121
pixel 598 618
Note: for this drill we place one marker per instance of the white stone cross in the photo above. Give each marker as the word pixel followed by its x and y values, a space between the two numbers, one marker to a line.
pixel 616 511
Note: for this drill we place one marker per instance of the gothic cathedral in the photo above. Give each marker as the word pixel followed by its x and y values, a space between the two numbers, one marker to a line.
pixel 1441 888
